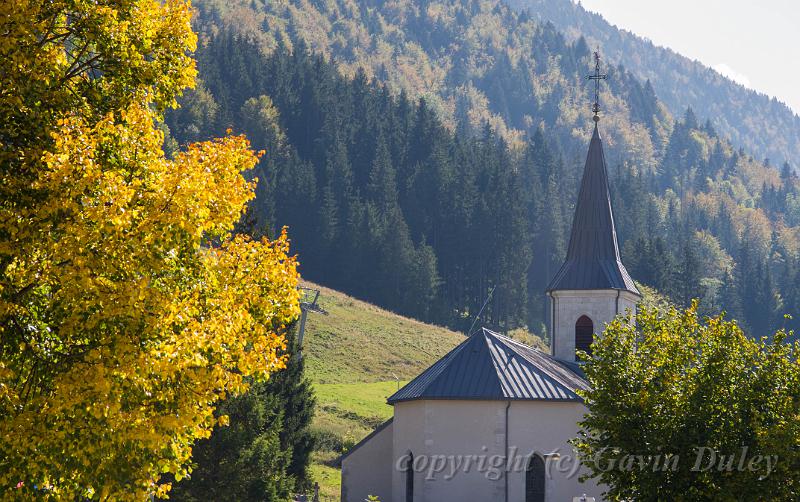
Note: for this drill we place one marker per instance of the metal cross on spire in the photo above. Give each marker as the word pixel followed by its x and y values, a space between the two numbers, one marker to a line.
pixel 597 77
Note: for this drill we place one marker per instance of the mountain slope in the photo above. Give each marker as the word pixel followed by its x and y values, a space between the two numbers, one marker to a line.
pixel 475 62
pixel 360 343
pixel 762 125
pixel 386 204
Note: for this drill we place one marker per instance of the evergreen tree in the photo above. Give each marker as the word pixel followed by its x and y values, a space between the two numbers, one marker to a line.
pixel 690 119
pixel 689 274
pixel 730 298
pixel 787 173
pixel 381 188
pixel 296 398
pixel 244 460
pixel 264 452
pixel 760 302
pixel 423 285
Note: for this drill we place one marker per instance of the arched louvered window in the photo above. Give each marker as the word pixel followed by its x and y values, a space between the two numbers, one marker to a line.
pixel 584 332
pixel 534 479
pixel 410 478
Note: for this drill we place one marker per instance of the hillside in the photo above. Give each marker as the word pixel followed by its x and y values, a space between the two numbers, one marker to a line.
pixel 360 343
pixel 762 125
pixel 387 202
pixel 356 356
pixel 474 62
pixel 479 62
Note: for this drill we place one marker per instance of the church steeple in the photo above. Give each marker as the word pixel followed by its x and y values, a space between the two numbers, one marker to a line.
pixel 593 260
pixel 592 286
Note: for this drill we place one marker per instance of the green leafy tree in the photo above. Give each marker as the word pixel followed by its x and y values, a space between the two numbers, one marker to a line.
pixel 672 384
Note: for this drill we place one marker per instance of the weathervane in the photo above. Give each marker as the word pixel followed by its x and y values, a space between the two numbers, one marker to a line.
pixel 597 77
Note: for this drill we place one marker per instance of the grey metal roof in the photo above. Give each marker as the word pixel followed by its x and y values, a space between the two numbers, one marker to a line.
pixel 593 260
pixel 491 366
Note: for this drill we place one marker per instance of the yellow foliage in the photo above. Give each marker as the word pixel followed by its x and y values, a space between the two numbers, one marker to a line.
pixel 127 307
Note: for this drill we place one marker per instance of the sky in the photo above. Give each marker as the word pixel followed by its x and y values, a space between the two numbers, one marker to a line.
pixel 754 42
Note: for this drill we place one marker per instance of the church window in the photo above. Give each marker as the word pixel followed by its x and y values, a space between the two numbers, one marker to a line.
pixel 584 333
pixel 410 478
pixel 534 479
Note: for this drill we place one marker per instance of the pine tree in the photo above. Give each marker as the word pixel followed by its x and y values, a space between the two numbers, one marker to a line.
pixel 421 291
pixel 297 401
pixel 662 263
pixel 792 298
pixel 264 452
pixel 746 275
pixel 731 299
pixel 244 460
pixel 690 119
pixel 689 275
pixel 760 301
pixel 787 173
pixel 381 187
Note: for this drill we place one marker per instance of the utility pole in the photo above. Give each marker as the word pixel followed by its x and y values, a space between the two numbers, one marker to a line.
pixel 307 306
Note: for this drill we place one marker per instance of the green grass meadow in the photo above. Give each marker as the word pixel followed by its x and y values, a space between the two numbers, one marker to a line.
pixel 356 357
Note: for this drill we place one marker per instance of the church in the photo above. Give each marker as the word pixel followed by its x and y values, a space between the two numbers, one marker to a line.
pixel 491 420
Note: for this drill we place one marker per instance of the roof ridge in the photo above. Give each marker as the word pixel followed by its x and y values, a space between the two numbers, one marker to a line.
pixel 364 441
pixel 498 371
pixel 550 374
pixel 444 361
pixel 508 338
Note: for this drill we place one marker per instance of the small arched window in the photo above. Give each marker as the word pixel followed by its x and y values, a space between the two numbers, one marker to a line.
pixel 584 333
pixel 534 479
pixel 410 478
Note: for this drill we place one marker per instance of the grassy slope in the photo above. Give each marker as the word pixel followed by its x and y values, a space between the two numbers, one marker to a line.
pixel 356 356
pixel 360 343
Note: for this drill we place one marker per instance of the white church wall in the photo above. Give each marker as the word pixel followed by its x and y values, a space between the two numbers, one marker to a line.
pixel 431 428
pixel 409 436
pixel 544 427
pixel 368 469
pixel 452 431
pixel 601 306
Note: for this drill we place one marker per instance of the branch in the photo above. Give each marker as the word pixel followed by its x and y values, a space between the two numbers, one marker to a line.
pixel 77 70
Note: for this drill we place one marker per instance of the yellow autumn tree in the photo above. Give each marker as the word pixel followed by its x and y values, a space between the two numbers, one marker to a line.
pixel 127 307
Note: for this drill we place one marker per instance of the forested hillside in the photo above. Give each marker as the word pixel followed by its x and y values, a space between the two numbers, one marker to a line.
pixel 474 61
pixel 388 204
pixel 763 125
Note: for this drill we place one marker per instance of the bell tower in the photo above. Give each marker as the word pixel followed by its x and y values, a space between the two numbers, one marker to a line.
pixel 592 286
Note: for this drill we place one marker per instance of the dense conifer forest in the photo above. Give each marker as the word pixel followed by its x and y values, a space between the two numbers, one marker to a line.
pixel 387 203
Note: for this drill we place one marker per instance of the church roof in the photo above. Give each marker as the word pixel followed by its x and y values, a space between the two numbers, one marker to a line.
pixel 593 260
pixel 490 366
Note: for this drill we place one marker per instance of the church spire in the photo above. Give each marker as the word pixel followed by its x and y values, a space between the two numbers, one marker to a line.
pixel 593 260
